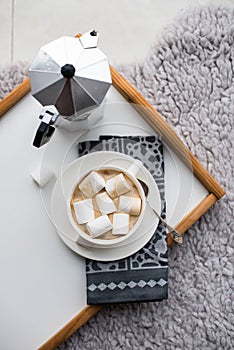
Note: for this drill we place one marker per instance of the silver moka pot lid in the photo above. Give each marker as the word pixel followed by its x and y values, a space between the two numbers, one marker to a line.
pixel 71 74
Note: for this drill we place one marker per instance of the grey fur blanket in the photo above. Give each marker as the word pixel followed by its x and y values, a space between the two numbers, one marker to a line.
pixel 189 78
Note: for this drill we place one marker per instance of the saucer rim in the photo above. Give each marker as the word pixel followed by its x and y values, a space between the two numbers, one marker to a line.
pixel 94 252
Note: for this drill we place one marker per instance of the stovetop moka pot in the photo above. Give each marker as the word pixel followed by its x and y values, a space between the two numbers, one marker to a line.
pixel 70 77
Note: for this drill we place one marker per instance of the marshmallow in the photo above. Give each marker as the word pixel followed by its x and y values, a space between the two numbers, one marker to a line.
pixel 92 184
pixel 105 203
pixel 131 205
pixel 99 226
pixel 120 224
pixel 117 185
pixel 42 175
pixel 84 211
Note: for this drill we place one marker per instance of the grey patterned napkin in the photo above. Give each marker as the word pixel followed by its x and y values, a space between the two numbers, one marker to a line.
pixel 142 276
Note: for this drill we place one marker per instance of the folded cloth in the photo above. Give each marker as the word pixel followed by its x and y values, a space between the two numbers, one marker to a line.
pixel 142 276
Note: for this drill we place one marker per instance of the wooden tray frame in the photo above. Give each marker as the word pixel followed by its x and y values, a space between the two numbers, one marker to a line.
pixel 156 121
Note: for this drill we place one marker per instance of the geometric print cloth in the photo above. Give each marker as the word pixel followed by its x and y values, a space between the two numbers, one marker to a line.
pixel 143 276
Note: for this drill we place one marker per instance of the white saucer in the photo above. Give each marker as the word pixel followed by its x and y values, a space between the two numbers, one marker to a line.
pixel 64 227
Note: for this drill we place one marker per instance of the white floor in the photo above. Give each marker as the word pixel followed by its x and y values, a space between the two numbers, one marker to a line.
pixel 127 27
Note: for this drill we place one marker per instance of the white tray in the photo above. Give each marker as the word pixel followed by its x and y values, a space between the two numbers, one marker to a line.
pixel 42 280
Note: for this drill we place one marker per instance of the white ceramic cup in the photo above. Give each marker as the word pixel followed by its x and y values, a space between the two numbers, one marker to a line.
pixel 86 240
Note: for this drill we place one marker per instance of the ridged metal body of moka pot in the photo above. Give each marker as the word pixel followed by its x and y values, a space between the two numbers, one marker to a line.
pixel 70 77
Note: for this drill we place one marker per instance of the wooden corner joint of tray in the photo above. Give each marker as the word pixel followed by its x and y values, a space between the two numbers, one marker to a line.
pixel 194 215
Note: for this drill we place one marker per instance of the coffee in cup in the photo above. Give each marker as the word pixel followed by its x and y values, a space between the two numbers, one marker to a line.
pixel 106 205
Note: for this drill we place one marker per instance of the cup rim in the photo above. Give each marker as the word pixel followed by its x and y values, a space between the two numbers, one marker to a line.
pixel 98 241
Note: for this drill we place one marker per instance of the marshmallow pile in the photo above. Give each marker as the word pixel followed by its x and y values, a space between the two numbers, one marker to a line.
pixel 109 197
